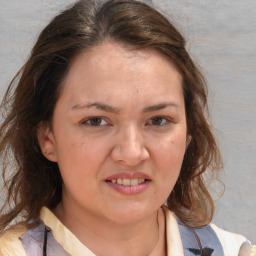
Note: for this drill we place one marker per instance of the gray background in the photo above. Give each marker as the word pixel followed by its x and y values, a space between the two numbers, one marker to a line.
pixel 221 37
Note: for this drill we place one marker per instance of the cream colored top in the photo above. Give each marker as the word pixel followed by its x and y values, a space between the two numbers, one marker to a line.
pixel 10 244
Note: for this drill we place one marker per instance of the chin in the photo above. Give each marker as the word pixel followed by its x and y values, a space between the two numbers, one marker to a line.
pixel 130 213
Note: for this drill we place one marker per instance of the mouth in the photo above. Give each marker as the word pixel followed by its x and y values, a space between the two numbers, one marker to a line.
pixel 128 182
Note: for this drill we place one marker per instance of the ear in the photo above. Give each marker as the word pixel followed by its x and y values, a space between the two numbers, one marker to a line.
pixel 46 141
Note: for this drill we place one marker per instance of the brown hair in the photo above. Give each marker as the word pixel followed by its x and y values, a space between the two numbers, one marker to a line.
pixel 31 97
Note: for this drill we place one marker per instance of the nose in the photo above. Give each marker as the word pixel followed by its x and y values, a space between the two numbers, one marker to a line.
pixel 130 148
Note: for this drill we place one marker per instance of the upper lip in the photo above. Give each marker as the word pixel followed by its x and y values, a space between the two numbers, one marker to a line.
pixel 128 175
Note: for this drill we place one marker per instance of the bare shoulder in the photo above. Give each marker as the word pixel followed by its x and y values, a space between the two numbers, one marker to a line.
pixel 10 244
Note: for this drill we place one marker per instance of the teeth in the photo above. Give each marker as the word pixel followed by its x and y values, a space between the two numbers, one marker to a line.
pixel 128 182
pixel 134 182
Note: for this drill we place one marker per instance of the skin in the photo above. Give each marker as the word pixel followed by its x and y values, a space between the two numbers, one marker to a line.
pixel 129 135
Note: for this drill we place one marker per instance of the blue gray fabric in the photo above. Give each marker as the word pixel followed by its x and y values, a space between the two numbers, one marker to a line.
pixel 208 238
pixel 33 242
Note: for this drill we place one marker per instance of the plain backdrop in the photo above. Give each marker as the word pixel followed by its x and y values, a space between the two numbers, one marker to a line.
pixel 221 37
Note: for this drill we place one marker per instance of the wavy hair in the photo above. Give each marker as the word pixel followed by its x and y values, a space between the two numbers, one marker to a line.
pixel 31 181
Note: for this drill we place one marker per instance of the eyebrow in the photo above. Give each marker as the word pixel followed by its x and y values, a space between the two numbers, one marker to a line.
pixel 107 108
pixel 160 106
pixel 100 106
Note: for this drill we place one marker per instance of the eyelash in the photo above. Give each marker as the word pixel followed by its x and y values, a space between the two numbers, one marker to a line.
pixel 100 119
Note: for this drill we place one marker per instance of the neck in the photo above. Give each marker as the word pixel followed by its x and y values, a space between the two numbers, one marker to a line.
pixel 105 237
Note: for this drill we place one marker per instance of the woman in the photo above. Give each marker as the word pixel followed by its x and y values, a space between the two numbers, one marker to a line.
pixel 107 129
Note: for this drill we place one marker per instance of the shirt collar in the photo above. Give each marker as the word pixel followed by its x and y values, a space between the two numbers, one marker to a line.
pixel 64 236
pixel 73 246
pixel 174 244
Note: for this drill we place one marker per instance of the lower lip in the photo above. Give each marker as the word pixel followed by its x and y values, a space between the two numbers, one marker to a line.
pixel 129 190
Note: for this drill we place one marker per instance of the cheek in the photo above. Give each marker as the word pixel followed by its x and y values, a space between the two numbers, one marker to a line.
pixel 172 162
pixel 171 150
pixel 79 164
pixel 168 160
pixel 79 159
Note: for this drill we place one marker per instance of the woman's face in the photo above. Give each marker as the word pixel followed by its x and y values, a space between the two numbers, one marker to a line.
pixel 119 132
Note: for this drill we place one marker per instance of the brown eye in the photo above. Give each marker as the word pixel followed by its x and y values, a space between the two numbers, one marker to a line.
pixel 95 121
pixel 157 121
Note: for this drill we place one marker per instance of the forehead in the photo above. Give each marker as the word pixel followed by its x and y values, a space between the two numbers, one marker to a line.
pixel 111 69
